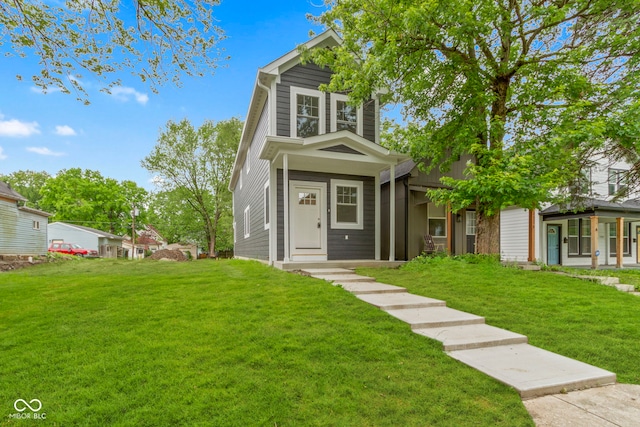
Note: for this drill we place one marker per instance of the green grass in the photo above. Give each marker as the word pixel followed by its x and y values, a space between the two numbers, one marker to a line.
pixel 225 343
pixel 577 318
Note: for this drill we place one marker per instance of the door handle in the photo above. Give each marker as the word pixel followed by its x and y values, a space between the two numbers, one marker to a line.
pixel 319 225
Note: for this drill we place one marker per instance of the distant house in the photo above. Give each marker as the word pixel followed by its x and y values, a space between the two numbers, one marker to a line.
pixel 23 230
pixel 147 239
pixel 602 229
pixel 108 245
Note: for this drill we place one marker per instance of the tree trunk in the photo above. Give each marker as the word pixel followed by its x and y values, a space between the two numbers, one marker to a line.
pixel 487 233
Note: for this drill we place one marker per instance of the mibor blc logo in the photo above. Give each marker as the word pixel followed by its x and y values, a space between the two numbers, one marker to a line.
pixel 34 405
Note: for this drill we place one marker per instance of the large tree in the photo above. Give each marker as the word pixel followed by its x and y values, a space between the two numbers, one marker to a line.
pixel 28 183
pixel 85 197
pixel 528 88
pixel 102 37
pixel 198 162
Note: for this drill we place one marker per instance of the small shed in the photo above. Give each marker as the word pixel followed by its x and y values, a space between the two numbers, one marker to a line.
pixel 23 230
pixel 108 245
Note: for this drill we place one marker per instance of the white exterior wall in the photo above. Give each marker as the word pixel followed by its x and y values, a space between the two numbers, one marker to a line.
pixel 68 234
pixel 603 246
pixel 514 234
pixel 600 179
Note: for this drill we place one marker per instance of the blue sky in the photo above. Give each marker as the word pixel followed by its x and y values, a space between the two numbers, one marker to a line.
pixel 115 132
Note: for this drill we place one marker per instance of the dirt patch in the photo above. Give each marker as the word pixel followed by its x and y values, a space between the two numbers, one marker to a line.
pixel 14 263
pixel 168 255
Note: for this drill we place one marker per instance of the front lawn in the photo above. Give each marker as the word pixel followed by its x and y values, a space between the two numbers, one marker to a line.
pixel 577 318
pixel 234 343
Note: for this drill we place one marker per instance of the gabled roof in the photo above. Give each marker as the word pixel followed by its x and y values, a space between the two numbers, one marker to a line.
pixel 265 76
pixel 35 211
pixel 98 233
pixel 10 193
pixel 402 170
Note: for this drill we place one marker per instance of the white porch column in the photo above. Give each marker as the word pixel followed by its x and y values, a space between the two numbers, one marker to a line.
pixel 285 188
pixel 392 213
pixel 377 215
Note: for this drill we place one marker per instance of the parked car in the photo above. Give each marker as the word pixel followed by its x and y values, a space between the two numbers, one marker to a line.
pixel 72 249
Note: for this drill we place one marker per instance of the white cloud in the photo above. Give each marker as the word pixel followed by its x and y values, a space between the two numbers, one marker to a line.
pixel 2 155
pixel 65 130
pixel 44 151
pixel 15 128
pixel 42 91
pixel 125 94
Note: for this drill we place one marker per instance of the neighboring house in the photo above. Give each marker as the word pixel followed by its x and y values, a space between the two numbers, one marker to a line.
pixel 108 245
pixel 147 239
pixel 306 178
pixel 591 232
pixel 417 216
pixel 23 230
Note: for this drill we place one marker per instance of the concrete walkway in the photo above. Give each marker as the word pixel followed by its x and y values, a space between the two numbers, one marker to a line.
pixel 557 391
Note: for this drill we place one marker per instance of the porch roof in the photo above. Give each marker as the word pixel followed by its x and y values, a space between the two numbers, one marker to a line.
pixel 593 207
pixel 337 152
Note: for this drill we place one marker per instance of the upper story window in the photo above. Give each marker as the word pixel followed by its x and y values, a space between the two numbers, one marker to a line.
pixel 307 112
pixel 36 225
pixel 345 116
pixel 617 182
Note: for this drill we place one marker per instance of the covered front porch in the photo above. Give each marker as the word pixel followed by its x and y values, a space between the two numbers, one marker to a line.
pixel 594 234
pixel 325 197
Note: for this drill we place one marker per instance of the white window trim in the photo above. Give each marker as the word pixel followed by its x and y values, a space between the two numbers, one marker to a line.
pixel 359 224
pixel 247 222
pixel 248 159
pixel 266 208
pixel 295 91
pixel 240 180
pixel 335 97
pixel 235 238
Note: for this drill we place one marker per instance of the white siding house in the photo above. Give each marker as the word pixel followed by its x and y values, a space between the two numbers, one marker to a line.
pixel 23 231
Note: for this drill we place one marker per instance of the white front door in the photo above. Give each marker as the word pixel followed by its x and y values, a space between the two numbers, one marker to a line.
pixel 308 232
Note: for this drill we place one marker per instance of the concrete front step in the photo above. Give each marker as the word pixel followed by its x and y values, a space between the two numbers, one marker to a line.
pixel 343 278
pixel 435 317
pixel 625 288
pixel 532 371
pixel 603 280
pixel 364 288
pixel 471 336
pixel 397 301
pixel 326 271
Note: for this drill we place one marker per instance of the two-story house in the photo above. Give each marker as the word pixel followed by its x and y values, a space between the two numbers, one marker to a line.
pixel 601 229
pixel 306 178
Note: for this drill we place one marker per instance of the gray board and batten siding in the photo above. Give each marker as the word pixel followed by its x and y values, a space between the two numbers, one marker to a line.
pixel 256 246
pixel 310 76
pixel 361 243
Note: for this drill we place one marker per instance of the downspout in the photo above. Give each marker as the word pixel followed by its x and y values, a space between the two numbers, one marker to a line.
pixel 273 228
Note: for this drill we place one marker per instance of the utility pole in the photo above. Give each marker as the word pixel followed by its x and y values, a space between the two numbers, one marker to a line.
pixel 134 213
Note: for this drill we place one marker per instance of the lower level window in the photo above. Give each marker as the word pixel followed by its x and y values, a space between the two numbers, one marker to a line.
pixel 579 236
pixel 346 204
pixel 613 236
pixel 247 222
pixel 437 220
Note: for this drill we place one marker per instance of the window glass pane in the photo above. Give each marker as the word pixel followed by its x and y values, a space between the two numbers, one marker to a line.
pixel 436 211
pixel 586 228
pixel 573 245
pixel 346 116
pixel 308 115
pixel 438 227
pixel 586 245
pixel 573 227
pixel 471 223
pixel 347 213
pixel 347 204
